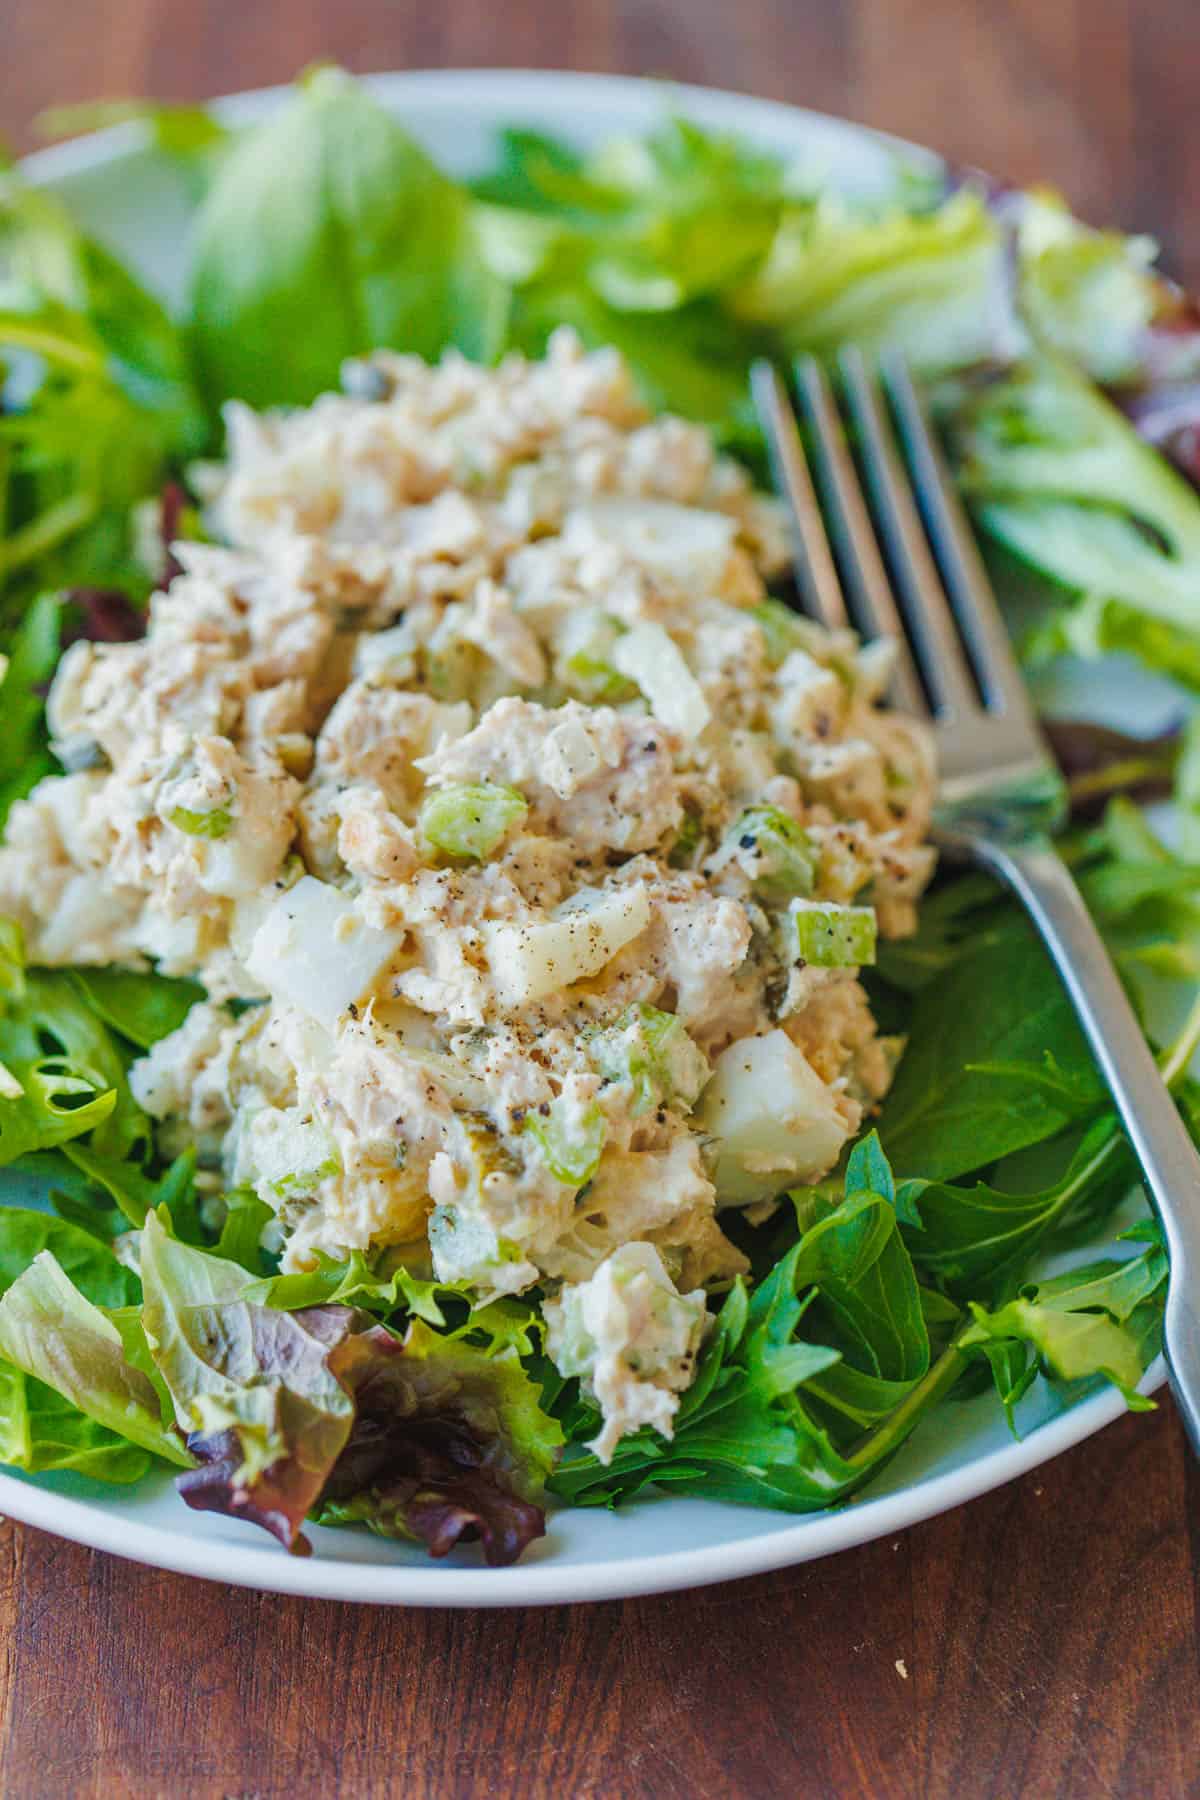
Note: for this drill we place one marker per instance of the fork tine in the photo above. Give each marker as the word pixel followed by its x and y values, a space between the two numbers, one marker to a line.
pixel 971 594
pixel 932 633
pixel 816 572
pixel 871 602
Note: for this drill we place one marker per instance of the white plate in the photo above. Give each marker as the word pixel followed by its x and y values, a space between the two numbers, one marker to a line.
pixel 139 206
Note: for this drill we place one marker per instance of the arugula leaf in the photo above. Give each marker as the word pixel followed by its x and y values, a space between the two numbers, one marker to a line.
pixel 86 298
pixel 869 1304
pixel 976 1240
pixel 97 401
pixel 1102 1319
pixel 646 223
pixel 996 1061
pixel 326 233
pixel 763 1420
pixel 527 170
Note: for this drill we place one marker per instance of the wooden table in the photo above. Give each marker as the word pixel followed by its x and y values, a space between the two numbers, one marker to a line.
pixel 1040 1642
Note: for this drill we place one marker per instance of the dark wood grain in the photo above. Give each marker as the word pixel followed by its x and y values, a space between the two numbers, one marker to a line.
pixel 1040 1642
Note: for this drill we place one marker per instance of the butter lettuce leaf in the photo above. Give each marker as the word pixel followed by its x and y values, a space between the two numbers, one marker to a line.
pixel 326 233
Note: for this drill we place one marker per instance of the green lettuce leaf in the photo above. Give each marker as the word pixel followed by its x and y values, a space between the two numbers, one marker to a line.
pixel 52 1332
pixel 647 223
pixel 41 1429
pixel 44 1434
pixel 1060 477
pixel 326 233
pixel 70 1076
pixel 930 285
pixel 1091 296
pixel 135 1193
pixel 24 756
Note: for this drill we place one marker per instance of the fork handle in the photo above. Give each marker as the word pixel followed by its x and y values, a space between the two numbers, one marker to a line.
pixel 1170 1162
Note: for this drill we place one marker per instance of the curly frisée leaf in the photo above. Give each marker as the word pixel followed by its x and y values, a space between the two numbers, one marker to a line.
pixel 422 1437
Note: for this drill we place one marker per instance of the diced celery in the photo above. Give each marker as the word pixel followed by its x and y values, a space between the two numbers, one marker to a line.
pixel 214 824
pixel 686 844
pixel 835 937
pixel 651 1050
pixel 596 681
pixel 570 1140
pixel 586 667
pixel 776 853
pixel 304 1180
pixel 785 631
pixel 470 819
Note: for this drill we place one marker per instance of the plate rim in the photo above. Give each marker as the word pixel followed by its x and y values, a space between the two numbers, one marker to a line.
pixel 548 1581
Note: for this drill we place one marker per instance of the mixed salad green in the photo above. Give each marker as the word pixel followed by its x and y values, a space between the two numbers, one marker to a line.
pixel 142 1325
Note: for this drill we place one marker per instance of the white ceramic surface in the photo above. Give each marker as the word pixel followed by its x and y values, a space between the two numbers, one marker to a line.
pixel 139 205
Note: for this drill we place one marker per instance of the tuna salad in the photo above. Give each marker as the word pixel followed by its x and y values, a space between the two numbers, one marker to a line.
pixel 467 1036
pixel 527 850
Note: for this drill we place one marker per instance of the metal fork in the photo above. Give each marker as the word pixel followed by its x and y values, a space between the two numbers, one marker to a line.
pixel 1001 798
